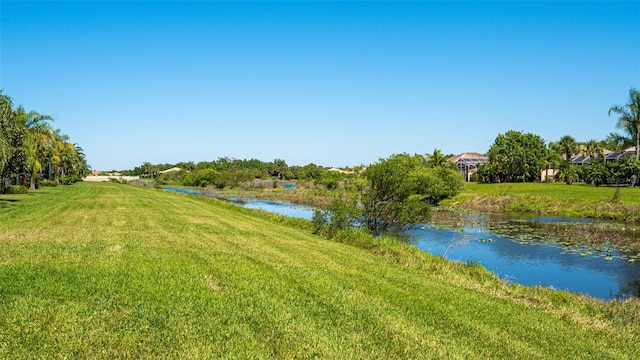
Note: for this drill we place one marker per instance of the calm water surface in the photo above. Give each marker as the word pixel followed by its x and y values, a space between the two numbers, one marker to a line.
pixel 521 251
pixel 527 251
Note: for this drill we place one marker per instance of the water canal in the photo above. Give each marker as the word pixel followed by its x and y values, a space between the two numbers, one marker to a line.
pixel 563 253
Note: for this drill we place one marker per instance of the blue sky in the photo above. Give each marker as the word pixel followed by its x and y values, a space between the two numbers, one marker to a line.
pixel 330 83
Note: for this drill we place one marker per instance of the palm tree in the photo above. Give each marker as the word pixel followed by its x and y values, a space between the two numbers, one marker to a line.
pixel 78 162
pixel 568 172
pixel 553 159
pixel 629 117
pixel 59 155
pixel 35 141
pixel 596 172
pixel 6 115
pixel 28 145
pixel 32 121
pixel 32 162
pixel 68 158
pixel 593 148
pixel 567 146
pixel 437 159
pixel 12 133
pixel 617 142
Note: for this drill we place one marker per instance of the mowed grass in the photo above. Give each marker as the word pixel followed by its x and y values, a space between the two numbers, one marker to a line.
pixel 576 200
pixel 98 270
pixel 560 191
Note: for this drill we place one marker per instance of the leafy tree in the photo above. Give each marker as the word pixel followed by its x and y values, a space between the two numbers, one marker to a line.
pixel 188 166
pixel 330 179
pixel 172 177
pixel 391 201
pixel 233 178
pixel 401 190
pixel 310 172
pixel 279 168
pixel 342 213
pixel 515 156
pixel 488 173
pixel 629 117
pixel 436 184
pixel 206 177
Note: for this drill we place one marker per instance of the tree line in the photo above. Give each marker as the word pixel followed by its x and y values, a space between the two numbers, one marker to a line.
pixel 520 157
pixel 33 152
pixel 229 172
pixel 400 190
pixel 384 196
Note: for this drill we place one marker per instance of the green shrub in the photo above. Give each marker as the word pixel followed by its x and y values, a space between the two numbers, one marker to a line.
pixel 319 221
pixel 69 179
pixel 14 189
pixel 47 183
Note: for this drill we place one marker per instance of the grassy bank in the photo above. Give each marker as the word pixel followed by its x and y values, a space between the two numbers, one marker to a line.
pixel 113 271
pixel 577 200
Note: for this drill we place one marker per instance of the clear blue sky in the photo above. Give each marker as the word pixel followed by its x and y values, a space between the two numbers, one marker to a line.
pixel 330 83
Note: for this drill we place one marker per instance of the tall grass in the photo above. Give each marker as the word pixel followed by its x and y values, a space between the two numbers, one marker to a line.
pixel 113 271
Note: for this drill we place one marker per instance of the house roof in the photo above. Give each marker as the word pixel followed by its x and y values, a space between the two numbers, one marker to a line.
pixel 580 159
pixel 608 155
pixel 469 157
pixel 616 155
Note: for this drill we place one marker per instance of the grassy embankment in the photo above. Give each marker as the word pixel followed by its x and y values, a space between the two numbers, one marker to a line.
pixel 113 271
pixel 559 199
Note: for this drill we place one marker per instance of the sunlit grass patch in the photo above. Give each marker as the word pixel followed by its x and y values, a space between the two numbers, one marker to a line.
pixel 115 271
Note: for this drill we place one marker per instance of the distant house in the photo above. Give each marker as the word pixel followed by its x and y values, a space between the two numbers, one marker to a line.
pixel 581 159
pixel 619 155
pixel 468 163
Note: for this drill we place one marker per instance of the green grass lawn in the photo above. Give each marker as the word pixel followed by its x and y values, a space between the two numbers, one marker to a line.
pixel 560 191
pixel 100 270
pixel 576 200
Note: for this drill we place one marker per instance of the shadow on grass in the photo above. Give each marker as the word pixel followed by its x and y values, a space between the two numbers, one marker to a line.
pixel 7 202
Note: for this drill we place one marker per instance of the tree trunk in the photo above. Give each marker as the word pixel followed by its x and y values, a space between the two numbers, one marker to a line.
pixel 32 183
pixel 637 146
